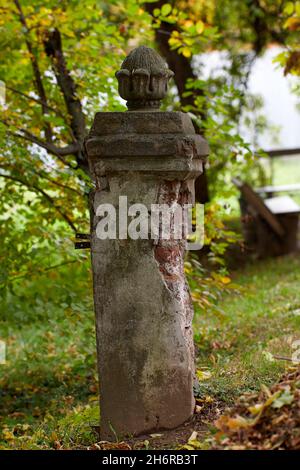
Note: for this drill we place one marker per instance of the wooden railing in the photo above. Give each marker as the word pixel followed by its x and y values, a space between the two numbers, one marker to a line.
pixel 283 152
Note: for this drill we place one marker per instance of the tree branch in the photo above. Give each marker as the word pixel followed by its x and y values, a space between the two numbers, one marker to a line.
pixel 183 70
pixel 46 196
pixel 59 152
pixel 36 100
pixel 36 70
pixel 45 177
pixel 53 49
pixel 56 183
pixel 40 270
pixel 70 149
pixel 50 108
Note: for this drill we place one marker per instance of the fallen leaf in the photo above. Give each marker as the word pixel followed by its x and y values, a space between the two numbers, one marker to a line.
pixel 254 410
pixel 198 409
pixel 203 374
pixel 286 398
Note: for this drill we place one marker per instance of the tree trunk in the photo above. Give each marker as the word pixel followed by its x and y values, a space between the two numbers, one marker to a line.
pixel 183 70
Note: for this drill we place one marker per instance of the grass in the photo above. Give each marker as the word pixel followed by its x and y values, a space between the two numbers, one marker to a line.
pixel 261 320
pixel 50 371
pixel 48 387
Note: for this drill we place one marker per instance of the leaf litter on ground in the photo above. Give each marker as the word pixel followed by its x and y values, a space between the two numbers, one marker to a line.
pixel 267 420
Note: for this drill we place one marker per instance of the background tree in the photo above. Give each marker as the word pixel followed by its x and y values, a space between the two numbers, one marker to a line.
pixel 58 62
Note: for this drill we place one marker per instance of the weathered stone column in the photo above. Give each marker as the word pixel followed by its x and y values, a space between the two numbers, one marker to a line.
pixel 142 301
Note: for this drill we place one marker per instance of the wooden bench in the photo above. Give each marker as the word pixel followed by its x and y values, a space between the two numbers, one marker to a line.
pixel 270 225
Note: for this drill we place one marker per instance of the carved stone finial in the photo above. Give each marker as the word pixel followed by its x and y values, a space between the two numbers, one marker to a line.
pixel 143 79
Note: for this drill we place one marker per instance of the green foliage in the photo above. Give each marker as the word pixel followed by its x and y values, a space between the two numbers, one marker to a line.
pixel 44 194
pixel 75 430
pixel 290 21
pixel 207 288
pixel 218 102
pixel 221 102
pixel 191 34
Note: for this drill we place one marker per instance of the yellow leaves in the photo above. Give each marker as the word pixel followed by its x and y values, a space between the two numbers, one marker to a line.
pixel 206 399
pixel 24 61
pixel 186 52
pixel 7 435
pixel 174 42
pixel 192 27
pixel 257 408
pixel 93 398
pixel 292 9
pixel 266 390
pixel 199 27
pixel 186 39
pixel 187 24
pixel 43 11
pixel 44 23
pixel 192 443
pixel 220 278
pixel 202 403
pixel 189 42
pixel 203 374
pixel 188 267
pixel 225 279
pixel 227 423
pixel 292 24
pixel 290 60
pixel 289 8
pixel 53 436
pixel 293 63
pixel 175 34
pixel 19 430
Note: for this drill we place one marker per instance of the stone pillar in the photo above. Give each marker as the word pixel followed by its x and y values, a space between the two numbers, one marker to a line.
pixel 142 300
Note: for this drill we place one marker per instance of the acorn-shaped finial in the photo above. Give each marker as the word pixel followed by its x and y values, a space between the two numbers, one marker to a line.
pixel 143 79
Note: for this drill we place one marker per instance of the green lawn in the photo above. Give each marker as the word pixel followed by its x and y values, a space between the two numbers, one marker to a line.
pixel 50 373
pixel 48 387
pixel 261 320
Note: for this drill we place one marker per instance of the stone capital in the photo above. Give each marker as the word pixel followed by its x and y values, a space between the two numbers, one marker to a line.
pixel 161 143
